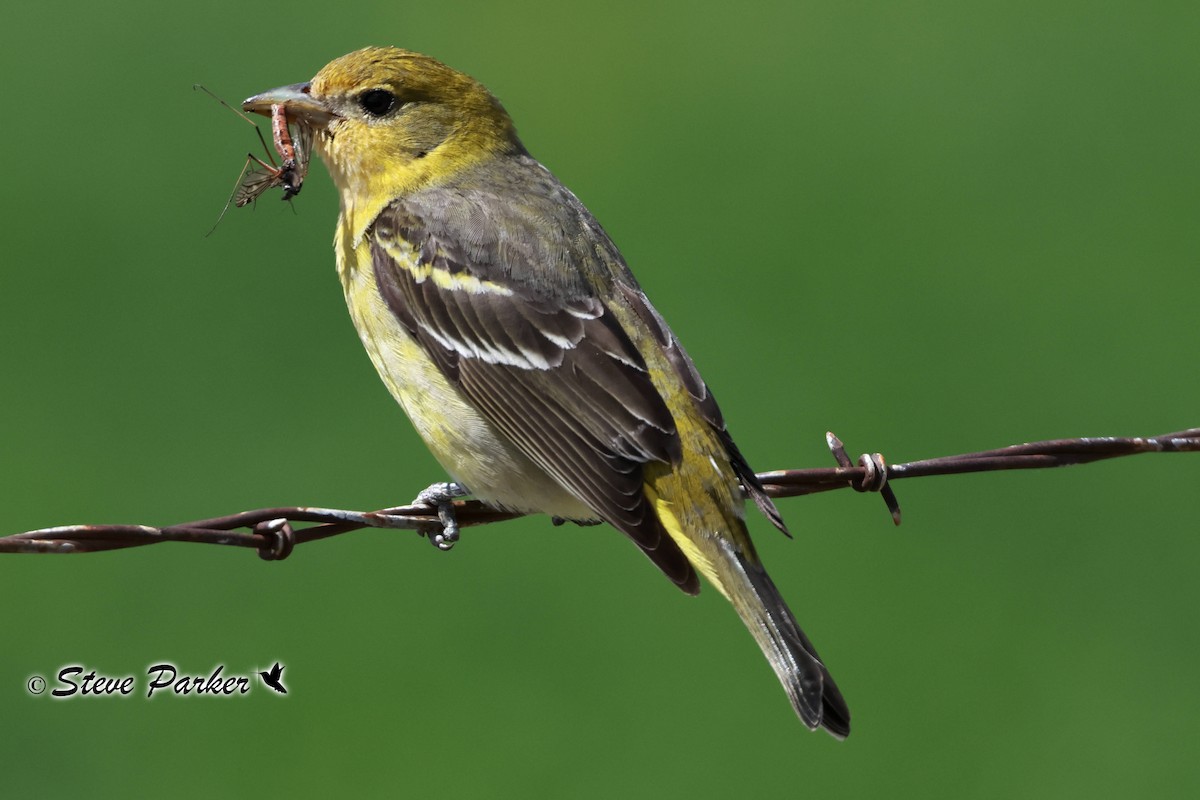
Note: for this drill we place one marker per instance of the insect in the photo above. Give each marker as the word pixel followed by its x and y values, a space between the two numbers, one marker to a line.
pixel 257 176
pixel 290 174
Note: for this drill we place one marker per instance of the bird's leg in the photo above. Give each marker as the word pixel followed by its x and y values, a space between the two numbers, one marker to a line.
pixel 442 496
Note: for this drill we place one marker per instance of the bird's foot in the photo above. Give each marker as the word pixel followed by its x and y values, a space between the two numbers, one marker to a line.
pixel 441 496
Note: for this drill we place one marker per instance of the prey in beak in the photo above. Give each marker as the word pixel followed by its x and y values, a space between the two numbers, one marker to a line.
pixel 293 153
pixel 294 149
pixel 291 105
pixel 288 105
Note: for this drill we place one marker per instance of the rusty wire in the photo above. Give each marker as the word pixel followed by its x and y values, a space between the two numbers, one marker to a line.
pixel 273 532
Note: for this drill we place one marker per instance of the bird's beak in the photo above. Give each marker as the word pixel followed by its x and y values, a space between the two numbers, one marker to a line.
pixel 300 104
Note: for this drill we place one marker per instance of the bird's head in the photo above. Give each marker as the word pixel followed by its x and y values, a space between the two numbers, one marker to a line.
pixel 387 122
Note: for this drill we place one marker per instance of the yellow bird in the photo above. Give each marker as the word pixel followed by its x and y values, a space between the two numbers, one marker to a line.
pixel 504 320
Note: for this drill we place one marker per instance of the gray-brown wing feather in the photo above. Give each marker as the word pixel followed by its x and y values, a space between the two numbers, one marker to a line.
pixel 546 364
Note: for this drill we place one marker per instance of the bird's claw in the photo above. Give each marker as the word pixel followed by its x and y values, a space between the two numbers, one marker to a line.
pixel 441 496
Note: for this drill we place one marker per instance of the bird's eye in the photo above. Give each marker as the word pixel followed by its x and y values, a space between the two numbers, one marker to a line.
pixel 377 102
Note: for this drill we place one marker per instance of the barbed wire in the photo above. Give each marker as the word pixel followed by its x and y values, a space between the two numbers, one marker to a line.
pixel 273 532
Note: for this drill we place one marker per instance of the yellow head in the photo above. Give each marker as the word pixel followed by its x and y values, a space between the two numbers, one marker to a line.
pixel 387 122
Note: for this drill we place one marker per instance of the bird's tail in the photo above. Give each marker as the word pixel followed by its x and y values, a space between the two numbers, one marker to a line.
pixel 808 684
pixel 727 559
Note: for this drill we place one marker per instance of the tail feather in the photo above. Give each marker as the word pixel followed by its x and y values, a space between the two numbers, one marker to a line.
pixel 727 559
pixel 814 695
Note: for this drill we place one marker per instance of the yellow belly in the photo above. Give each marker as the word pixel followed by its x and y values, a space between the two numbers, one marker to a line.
pixel 469 447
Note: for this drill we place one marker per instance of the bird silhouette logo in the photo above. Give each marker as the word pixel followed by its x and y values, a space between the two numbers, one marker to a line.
pixel 272 678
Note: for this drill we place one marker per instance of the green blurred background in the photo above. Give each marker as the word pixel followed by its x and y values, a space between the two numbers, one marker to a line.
pixel 931 227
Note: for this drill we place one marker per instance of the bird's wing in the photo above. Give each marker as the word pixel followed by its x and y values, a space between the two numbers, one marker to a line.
pixel 534 350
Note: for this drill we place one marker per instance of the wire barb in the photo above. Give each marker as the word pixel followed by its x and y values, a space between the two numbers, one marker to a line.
pixel 280 539
pixel 874 477
pixel 272 531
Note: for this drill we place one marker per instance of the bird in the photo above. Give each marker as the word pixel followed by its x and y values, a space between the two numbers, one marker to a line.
pixel 274 678
pixel 506 323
